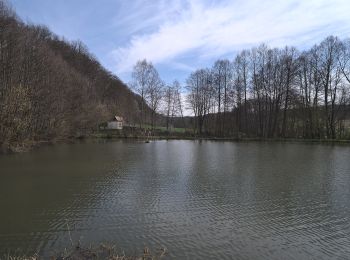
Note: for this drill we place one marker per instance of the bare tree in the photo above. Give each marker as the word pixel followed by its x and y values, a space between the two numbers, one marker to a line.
pixel 200 96
pixel 141 75
pixel 154 93
pixel 173 102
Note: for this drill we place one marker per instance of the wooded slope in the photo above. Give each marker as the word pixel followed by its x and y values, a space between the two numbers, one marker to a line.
pixel 51 88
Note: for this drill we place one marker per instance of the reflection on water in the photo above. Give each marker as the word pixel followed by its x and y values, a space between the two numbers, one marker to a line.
pixel 197 199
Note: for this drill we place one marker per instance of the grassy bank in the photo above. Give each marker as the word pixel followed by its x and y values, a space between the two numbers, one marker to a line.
pixel 163 135
pixel 102 252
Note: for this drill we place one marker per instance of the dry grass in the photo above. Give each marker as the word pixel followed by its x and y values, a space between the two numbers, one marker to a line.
pixel 103 251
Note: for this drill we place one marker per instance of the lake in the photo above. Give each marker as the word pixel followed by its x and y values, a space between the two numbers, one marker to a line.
pixel 199 199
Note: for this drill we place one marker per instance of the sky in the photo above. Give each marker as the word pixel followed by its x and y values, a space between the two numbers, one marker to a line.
pixel 180 36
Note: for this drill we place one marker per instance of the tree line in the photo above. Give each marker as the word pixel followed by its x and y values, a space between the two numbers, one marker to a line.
pixel 262 92
pixel 275 92
pixel 51 88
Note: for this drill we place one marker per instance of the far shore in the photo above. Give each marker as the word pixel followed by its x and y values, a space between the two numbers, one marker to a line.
pixel 213 138
pixel 30 145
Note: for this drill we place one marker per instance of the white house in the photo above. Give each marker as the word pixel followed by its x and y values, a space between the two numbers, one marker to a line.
pixel 116 123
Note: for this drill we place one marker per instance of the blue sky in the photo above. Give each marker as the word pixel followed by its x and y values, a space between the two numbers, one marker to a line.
pixel 179 36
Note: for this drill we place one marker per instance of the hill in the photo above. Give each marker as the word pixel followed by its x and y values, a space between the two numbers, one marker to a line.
pixel 51 88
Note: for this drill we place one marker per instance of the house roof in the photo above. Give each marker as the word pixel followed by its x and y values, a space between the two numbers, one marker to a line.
pixel 118 118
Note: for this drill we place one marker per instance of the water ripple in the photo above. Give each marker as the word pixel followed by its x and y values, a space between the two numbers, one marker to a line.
pixel 212 200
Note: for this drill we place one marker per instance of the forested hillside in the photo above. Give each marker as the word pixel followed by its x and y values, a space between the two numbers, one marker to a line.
pixel 51 88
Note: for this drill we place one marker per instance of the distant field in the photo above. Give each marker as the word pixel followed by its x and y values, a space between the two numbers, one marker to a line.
pixel 163 128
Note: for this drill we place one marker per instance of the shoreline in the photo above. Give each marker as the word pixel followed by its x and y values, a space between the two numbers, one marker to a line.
pixel 32 145
pixel 214 138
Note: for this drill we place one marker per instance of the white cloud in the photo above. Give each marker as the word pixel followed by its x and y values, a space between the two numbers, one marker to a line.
pixel 173 29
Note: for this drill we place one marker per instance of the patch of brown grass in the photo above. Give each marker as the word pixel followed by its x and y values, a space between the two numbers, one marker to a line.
pixel 102 252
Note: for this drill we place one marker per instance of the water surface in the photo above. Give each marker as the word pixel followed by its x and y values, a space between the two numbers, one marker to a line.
pixel 212 200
